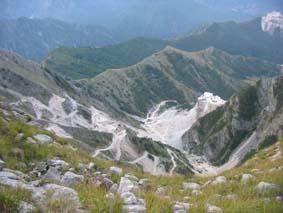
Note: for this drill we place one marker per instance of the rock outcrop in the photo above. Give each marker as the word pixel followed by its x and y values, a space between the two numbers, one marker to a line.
pixel 250 118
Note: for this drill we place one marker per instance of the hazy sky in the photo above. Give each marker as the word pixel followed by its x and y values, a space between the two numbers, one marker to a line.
pixel 161 18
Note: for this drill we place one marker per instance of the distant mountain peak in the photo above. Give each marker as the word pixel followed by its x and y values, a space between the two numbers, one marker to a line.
pixel 272 22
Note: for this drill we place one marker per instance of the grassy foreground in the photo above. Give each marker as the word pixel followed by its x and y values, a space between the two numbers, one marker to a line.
pixel 245 197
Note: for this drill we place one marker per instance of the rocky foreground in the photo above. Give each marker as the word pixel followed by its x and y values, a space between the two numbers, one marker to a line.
pixel 41 172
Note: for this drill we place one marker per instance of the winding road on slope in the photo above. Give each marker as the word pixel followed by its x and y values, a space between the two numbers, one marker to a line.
pixel 118 138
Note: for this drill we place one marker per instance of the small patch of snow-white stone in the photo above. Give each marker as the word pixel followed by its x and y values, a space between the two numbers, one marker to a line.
pixel 264 187
pixel 247 177
pixel 181 207
pixel 191 186
pixel 116 170
pixel 219 180
pixel 212 209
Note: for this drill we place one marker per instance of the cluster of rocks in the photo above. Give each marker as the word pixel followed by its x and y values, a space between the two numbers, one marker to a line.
pixel 41 194
pixel 40 139
pixel 58 171
pixel 128 187
pixel 195 190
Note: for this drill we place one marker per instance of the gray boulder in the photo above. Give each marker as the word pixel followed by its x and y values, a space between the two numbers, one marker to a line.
pixel 66 196
pixel 181 207
pixel 191 186
pixel 106 183
pixel 247 177
pixel 116 170
pixel 264 187
pixel 219 180
pixel 43 139
pixel 127 185
pixel 131 177
pixel 212 209
pixel 25 207
pixel 41 194
pixel 70 178
pixel 132 204
pixel 52 174
pixel 60 164
pixel 114 188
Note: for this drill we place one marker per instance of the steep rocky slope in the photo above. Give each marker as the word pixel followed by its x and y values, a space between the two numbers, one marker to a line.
pixel 250 118
pixel 83 112
pixel 43 98
pixel 34 38
pixel 172 74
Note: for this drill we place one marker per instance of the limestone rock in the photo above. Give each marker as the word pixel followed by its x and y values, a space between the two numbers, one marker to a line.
pixel 43 139
pixel 191 186
pixel 114 188
pixel 116 170
pixel 52 174
pixel 132 204
pixel 63 194
pixel 181 207
pixel 70 178
pixel 264 187
pixel 25 207
pixel 107 183
pixel 60 164
pixel 127 185
pixel 219 180
pixel 247 177
pixel 212 209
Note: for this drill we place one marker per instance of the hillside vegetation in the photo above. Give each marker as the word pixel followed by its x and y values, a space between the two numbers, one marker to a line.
pixel 77 63
pixel 174 74
pixel 245 38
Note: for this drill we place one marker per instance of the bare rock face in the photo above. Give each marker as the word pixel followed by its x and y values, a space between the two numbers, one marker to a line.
pixel 246 120
pixel 272 22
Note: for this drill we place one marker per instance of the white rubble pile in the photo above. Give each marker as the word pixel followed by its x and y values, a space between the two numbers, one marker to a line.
pixel 158 124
